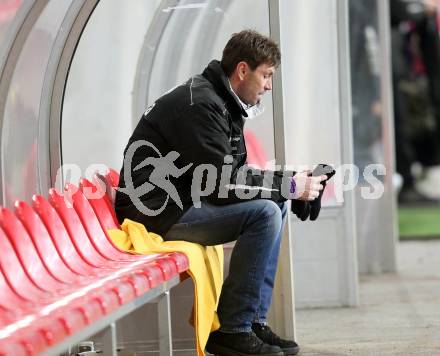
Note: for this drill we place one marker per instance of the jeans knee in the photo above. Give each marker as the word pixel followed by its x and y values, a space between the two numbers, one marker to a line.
pixel 283 208
pixel 271 213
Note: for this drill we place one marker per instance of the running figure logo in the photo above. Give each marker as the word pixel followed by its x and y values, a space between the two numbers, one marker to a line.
pixel 163 168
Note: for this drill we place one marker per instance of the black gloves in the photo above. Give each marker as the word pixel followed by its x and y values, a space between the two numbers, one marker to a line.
pixel 301 209
pixel 304 209
pixel 315 205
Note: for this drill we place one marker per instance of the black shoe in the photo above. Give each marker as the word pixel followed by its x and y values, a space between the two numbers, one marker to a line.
pixel 239 344
pixel 265 333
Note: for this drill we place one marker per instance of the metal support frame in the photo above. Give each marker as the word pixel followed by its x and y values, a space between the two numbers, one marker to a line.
pixel 109 340
pixel 210 25
pixel 283 295
pixel 161 291
pixel 52 93
pixel 165 336
pixel 147 57
pixel 52 102
pixel 22 25
pixel 142 84
pixel 389 263
pixel 349 265
pixel 55 78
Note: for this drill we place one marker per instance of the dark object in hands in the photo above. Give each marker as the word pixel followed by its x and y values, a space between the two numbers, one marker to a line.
pixel 315 205
pixel 301 209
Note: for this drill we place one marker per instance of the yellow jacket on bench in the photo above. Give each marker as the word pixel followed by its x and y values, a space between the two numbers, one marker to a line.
pixel 205 268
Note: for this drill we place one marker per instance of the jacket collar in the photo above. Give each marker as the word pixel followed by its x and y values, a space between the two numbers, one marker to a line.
pixel 215 74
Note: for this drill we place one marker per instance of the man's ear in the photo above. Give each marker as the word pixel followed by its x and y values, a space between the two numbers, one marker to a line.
pixel 242 68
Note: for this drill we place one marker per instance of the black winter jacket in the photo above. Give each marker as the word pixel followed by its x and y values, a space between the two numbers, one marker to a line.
pixel 202 121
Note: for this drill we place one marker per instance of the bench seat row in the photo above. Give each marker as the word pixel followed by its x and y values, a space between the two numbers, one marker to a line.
pixel 62 278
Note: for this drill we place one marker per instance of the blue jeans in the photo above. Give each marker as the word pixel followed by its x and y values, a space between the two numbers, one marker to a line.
pixel 257 226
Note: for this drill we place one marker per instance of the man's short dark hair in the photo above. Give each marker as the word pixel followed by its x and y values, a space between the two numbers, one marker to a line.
pixel 251 47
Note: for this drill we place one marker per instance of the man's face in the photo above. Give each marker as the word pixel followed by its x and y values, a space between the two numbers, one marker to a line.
pixel 254 83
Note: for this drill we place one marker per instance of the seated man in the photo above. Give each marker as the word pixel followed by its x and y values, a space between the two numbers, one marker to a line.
pixel 185 177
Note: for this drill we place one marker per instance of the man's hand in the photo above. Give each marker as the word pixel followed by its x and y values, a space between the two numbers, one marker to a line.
pixel 307 188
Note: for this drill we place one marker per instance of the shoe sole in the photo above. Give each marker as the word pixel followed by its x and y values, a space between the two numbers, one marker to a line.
pixel 291 351
pixel 218 350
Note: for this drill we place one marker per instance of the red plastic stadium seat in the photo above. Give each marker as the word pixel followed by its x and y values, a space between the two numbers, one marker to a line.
pixel 9 347
pixel 22 279
pixel 80 239
pixel 72 254
pixel 44 245
pixel 129 284
pixel 37 263
pixel 31 343
pixel 102 206
pixel 28 297
pixel 76 255
pixel 110 180
pixel 97 235
pixel 8 297
pixel 22 262
pixel 180 260
pixel 105 215
pixel 60 271
pixel 53 260
pixel 56 231
pixel 113 177
pixel 102 257
pixel 17 292
pixel 78 233
pixel 6 316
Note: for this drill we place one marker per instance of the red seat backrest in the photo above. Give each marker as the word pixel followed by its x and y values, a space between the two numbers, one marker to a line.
pixel 8 298
pixel 17 280
pixel 113 177
pixel 26 252
pixel 44 244
pixel 14 347
pixel 90 222
pixel 62 241
pixel 110 180
pixel 101 206
pixel 75 229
